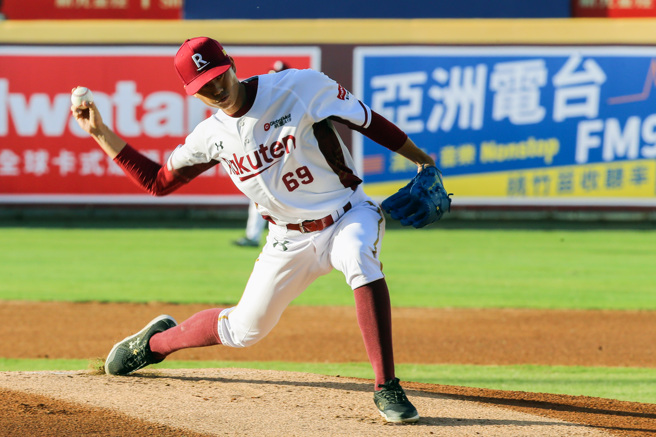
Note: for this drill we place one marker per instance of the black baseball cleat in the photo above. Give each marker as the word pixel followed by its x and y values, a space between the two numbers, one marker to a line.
pixel 133 353
pixel 393 404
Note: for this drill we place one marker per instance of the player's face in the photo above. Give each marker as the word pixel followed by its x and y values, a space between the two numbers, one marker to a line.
pixel 223 92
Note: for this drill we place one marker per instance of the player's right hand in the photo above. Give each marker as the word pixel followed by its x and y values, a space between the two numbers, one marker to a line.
pixel 87 117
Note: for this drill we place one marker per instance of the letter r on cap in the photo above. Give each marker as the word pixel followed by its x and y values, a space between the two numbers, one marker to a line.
pixel 199 61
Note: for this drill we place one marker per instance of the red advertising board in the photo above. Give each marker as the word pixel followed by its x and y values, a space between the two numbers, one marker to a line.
pixel 91 9
pixel 46 157
pixel 614 8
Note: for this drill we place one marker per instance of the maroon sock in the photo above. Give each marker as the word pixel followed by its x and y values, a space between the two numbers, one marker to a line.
pixel 374 313
pixel 199 330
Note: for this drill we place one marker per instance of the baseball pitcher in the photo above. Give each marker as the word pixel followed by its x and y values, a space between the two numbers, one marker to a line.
pixel 275 136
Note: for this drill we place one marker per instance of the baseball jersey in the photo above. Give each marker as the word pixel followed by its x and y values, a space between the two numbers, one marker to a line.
pixel 284 152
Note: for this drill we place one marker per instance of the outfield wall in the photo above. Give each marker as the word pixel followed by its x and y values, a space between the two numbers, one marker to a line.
pixel 579 131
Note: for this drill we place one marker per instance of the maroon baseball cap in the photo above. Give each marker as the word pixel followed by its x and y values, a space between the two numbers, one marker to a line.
pixel 200 60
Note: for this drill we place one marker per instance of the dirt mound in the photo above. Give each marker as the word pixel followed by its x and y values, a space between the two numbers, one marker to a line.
pixel 239 402
pixel 248 402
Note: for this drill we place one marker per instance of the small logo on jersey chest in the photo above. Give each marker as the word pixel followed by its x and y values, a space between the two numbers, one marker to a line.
pixel 342 94
pixel 219 146
pixel 278 123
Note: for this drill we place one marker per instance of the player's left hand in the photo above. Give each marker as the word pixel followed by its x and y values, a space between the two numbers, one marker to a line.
pixel 423 201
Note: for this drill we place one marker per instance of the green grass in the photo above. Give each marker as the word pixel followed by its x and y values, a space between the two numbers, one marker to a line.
pixel 602 269
pixel 437 267
pixel 628 384
pixel 529 269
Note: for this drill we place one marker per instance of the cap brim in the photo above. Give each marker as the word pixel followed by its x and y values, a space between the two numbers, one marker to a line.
pixel 199 81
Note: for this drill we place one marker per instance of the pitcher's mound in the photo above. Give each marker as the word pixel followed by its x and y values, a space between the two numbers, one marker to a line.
pixel 244 402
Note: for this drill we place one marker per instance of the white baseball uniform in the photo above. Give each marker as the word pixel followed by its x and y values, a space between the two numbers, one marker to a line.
pixel 281 149
pixel 285 154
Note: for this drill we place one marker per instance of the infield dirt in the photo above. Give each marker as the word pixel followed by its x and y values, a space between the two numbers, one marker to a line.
pixel 248 402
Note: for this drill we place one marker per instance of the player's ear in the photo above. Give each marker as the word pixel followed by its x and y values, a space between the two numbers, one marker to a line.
pixel 232 63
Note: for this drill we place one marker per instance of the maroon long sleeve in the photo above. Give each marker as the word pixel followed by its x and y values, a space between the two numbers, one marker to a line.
pixel 155 178
pixel 380 130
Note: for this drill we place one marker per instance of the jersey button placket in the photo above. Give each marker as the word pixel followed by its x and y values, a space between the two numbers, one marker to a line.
pixel 242 136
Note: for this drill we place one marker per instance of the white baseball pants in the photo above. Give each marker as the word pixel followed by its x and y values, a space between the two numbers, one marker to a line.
pixel 290 261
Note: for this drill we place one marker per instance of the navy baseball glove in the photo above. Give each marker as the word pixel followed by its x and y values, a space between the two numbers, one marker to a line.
pixel 423 201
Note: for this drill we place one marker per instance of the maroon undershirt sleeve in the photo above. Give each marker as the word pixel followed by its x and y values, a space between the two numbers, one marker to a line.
pixel 155 178
pixel 380 130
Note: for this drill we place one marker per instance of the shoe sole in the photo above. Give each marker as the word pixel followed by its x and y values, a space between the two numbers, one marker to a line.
pixel 408 420
pixel 112 352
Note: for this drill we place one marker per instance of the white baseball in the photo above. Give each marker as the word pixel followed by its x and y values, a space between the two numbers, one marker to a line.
pixel 81 94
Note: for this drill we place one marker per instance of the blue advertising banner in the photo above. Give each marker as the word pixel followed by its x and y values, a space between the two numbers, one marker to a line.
pixel 517 125
pixel 303 9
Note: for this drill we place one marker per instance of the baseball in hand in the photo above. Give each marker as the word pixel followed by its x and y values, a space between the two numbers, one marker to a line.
pixel 81 94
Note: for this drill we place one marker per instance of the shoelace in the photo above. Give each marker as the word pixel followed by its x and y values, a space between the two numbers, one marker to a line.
pixel 393 392
pixel 139 358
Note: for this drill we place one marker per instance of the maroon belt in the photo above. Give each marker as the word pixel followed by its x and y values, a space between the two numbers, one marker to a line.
pixel 315 225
